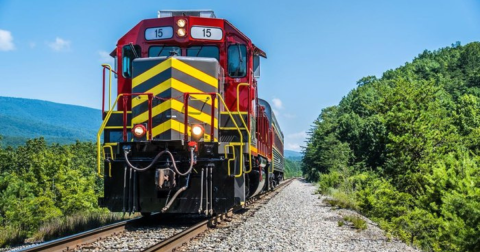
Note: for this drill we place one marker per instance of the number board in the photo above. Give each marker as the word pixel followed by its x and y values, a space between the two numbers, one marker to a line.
pixel 204 32
pixel 164 32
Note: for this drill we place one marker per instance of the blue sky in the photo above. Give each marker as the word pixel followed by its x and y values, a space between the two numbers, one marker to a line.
pixel 317 50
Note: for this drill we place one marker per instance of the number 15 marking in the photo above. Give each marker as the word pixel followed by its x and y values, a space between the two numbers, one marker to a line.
pixel 158 33
pixel 207 33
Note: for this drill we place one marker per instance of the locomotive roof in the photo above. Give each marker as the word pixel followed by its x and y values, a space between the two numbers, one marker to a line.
pixel 193 13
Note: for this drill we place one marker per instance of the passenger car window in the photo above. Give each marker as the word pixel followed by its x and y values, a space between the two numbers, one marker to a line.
pixel 237 60
pixel 158 51
pixel 204 51
pixel 128 57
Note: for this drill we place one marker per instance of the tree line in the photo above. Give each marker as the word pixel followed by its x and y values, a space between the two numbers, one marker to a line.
pixel 41 182
pixel 404 148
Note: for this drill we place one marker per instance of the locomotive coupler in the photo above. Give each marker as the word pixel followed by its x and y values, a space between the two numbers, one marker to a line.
pixel 165 179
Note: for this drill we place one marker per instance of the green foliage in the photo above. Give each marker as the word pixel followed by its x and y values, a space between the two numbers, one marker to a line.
pixel 293 168
pixel 357 221
pixel 405 149
pixel 341 200
pixel 40 183
pixel 78 222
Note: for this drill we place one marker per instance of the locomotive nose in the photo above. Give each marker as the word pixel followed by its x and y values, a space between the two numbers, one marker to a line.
pixel 182 108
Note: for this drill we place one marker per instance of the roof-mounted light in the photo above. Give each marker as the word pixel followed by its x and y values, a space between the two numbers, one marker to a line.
pixel 181 23
pixel 181 32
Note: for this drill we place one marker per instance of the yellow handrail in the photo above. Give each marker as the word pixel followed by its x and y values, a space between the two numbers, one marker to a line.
pixel 233 144
pixel 111 156
pixel 109 83
pixel 246 128
pixel 102 128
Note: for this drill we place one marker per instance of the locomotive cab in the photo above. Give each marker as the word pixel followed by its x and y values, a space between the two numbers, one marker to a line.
pixel 187 132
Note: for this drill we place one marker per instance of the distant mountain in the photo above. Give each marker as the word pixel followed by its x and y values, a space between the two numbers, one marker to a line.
pixel 21 119
pixel 292 154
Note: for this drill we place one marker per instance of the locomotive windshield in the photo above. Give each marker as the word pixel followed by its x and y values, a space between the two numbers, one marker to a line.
pixel 158 51
pixel 204 51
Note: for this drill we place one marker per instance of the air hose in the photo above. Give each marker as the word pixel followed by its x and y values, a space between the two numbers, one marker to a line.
pixel 192 161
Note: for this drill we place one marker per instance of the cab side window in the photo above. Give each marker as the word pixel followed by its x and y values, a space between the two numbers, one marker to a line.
pixel 128 57
pixel 237 60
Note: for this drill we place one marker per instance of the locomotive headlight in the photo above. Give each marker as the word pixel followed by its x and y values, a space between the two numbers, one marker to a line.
pixel 139 130
pixel 197 130
pixel 181 23
pixel 181 32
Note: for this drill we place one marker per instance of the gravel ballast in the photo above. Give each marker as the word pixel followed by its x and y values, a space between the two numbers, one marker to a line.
pixel 295 220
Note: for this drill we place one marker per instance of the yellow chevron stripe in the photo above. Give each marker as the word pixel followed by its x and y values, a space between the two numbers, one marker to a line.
pixel 143 117
pixel 177 85
pixel 178 106
pixel 152 72
pixel 156 90
pixel 179 65
pixel 176 126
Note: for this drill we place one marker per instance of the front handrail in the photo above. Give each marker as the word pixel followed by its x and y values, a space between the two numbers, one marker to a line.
pixel 109 146
pixel 107 117
pixel 214 95
pixel 239 132
pixel 110 70
pixel 246 126
pixel 186 97
pixel 233 157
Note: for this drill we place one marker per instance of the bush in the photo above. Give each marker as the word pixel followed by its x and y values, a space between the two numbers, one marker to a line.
pixel 357 221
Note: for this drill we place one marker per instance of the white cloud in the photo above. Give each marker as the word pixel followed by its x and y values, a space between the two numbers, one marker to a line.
pixel 298 135
pixel 32 44
pixel 294 141
pixel 60 45
pixel 6 41
pixel 293 146
pixel 105 57
pixel 277 103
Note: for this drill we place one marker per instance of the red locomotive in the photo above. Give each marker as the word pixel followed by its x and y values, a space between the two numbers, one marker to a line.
pixel 187 132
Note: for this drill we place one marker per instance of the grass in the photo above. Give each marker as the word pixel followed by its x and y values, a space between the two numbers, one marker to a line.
pixel 59 227
pixel 341 200
pixel 357 222
pixel 11 236
pixel 74 224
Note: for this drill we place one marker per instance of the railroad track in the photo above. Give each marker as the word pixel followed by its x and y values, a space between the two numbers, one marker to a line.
pixel 78 241
pixel 73 241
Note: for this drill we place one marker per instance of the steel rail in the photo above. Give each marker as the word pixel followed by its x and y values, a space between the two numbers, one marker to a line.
pixel 184 237
pixel 179 239
pixel 73 241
